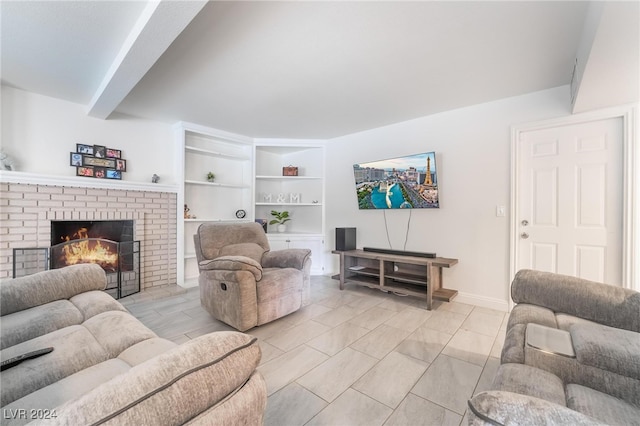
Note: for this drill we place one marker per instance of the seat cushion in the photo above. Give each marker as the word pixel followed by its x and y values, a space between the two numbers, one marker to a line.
pixel 606 408
pixel 30 323
pixel 607 348
pixel 66 389
pixel 74 349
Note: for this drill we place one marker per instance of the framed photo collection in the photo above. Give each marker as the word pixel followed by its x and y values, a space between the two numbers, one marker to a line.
pixel 98 161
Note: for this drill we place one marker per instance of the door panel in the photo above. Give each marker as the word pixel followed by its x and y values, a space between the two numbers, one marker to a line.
pixel 570 200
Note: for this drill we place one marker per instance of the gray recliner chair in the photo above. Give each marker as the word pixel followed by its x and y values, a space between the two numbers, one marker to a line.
pixel 243 283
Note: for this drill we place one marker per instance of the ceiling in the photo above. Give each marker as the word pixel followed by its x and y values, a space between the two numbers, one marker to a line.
pixel 312 69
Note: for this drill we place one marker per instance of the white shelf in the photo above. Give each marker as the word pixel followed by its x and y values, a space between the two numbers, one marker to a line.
pixel 288 204
pixel 288 177
pixel 215 153
pixel 190 256
pixel 221 185
pixel 214 220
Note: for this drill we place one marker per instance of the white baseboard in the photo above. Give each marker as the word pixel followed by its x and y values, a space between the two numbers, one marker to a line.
pixel 482 301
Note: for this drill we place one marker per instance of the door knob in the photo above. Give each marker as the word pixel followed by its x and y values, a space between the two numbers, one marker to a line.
pixel 524 235
pixel 525 222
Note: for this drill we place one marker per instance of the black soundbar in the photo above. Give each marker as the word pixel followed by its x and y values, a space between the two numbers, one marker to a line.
pixel 400 252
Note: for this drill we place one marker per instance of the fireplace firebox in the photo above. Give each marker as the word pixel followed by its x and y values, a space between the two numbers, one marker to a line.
pixel 108 243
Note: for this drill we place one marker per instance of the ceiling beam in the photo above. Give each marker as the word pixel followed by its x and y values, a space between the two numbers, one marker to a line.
pixel 158 26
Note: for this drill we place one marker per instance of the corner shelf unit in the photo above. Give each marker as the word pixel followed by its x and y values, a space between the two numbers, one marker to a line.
pixel 302 196
pixel 200 150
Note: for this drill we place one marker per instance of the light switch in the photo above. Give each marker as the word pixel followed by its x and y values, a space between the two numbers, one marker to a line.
pixel 501 211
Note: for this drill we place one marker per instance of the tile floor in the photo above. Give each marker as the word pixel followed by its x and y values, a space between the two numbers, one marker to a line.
pixel 355 357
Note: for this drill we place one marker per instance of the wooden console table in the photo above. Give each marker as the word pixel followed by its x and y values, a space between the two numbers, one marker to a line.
pixel 415 276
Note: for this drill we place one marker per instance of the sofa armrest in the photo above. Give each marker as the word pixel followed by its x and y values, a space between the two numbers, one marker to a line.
pixel 18 294
pixel 173 387
pixel 232 263
pixel 287 258
pixel 605 304
pixel 508 408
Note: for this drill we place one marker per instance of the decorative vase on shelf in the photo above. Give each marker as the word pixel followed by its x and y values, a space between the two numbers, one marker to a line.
pixel 282 228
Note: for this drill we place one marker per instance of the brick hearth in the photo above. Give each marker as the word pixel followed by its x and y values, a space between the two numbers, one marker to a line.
pixel 26 211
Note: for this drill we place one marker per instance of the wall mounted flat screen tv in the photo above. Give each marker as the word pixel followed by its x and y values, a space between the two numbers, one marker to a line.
pixel 409 182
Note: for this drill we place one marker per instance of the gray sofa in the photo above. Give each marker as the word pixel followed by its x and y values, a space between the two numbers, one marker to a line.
pixel 599 384
pixel 242 282
pixel 107 367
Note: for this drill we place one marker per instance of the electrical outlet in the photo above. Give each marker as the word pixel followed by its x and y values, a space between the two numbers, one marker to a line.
pixel 501 211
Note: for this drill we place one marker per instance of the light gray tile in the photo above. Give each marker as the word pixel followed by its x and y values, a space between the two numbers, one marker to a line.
pixel 488 311
pixel 373 317
pixel 286 368
pixel 424 343
pixel 211 328
pixel 458 308
pixel 391 379
pixel 334 376
pixel 448 382
pixel 396 304
pixel 269 352
pixel 483 323
pixel 336 339
pixel 379 342
pixel 354 409
pixel 445 321
pixel 270 329
pixel 337 316
pixel 409 319
pixel 488 374
pixel 469 346
pixel 339 299
pixel 197 312
pixel 306 313
pixel 416 411
pixel 292 405
pixel 296 336
pixel 496 349
pixel 364 302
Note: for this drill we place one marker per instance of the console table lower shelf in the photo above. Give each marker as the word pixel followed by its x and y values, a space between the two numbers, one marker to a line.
pixel 410 275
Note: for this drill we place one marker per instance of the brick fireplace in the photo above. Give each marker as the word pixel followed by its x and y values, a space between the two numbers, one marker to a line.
pixel 28 209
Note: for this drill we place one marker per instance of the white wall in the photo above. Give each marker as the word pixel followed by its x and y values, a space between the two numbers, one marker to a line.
pixel 473 159
pixel 39 132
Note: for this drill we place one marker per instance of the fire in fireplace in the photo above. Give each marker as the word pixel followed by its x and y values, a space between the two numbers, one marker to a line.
pixel 89 242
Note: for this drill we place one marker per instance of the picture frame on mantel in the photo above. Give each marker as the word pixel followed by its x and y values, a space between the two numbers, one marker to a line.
pixel 98 161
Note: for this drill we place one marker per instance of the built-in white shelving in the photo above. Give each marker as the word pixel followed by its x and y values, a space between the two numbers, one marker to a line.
pixel 302 196
pixel 201 150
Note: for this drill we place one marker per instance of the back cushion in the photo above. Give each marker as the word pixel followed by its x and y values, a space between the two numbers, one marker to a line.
pixel 251 250
pixel 214 236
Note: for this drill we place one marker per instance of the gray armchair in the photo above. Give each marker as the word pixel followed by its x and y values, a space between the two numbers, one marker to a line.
pixel 243 283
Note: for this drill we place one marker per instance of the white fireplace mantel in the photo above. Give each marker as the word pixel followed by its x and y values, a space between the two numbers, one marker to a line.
pixel 82 182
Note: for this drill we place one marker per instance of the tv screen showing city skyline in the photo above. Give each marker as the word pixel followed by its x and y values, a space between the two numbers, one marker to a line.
pixel 409 182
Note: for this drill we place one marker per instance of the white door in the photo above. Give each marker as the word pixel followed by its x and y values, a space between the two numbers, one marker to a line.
pixel 570 200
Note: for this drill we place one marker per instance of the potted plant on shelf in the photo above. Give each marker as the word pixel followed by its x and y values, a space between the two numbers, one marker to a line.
pixel 280 218
pixel 211 176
